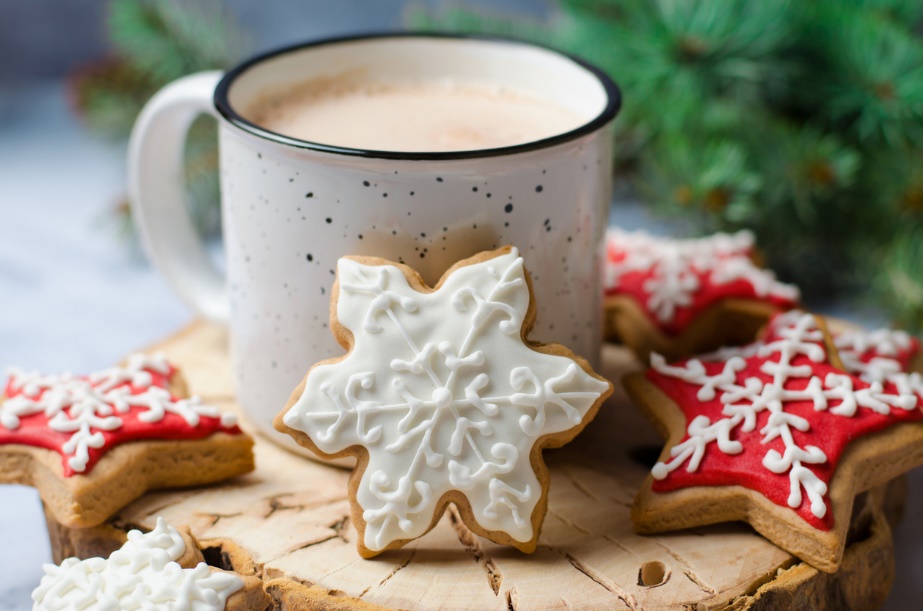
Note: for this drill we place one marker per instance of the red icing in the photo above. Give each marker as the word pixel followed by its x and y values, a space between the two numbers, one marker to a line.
pixel 632 284
pixel 830 432
pixel 33 429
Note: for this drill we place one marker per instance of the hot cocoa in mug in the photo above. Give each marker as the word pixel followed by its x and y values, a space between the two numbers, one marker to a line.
pixel 418 148
pixel 431 116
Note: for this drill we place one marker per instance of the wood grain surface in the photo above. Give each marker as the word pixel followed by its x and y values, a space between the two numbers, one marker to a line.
pixel 288 523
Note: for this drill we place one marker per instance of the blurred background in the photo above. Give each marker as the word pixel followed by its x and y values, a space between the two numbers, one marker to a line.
pixel 802 121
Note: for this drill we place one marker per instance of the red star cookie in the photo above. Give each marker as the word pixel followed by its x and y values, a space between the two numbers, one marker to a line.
pixel 779 435
pixel 92 444
pixel 684 297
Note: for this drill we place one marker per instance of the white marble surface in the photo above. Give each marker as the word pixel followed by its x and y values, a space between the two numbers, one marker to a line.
pixel 72 299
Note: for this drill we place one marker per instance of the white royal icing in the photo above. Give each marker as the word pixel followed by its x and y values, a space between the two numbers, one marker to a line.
pixel 85 406
pixel 797 334
pixel 674 266
pixel 886 344
pixel 442 391
pixel 852 345
pixel 143 574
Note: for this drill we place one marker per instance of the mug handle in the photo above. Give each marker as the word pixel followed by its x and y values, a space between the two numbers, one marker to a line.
pixel 157 193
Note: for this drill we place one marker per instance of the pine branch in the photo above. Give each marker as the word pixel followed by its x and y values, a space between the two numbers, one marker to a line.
pixel 673 50
pixel 907 14
pixel 165 39
pixel 868 75
pixel 155 42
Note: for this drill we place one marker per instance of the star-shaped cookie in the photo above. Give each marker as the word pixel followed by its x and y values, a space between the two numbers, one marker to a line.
pixel 778 434
pixel 161 569
pixel 684 297
pixel 92 444
pixel 442 399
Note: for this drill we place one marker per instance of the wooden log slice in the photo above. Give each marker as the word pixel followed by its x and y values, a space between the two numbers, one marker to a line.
pixel 288 523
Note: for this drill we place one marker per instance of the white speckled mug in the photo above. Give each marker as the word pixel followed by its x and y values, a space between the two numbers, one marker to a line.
pixel 291 208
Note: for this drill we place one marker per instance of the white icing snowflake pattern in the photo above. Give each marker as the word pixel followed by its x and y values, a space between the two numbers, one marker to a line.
pixel 143 574
pixel 86 406
pixel 885 345
pixel 443 393
pixel 796 333
pixel 674 267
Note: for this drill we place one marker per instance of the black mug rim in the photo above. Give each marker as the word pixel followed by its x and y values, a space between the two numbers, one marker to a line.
pixel 224 108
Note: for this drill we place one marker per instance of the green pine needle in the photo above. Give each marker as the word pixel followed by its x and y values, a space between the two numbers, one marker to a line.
pixel 868 74
pixel 670 51
pixel 155 42
pixel 168 39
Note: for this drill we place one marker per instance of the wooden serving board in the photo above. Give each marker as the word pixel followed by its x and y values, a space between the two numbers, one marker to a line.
pixel 288 523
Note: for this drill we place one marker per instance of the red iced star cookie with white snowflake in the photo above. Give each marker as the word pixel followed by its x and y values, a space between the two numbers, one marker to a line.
pixel 442 399
pixel 684 297
pixel 92 444
pixel 779 434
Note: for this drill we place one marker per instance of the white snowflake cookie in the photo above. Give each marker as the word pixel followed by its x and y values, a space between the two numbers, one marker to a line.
pixel 442 399
pixel 162 569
